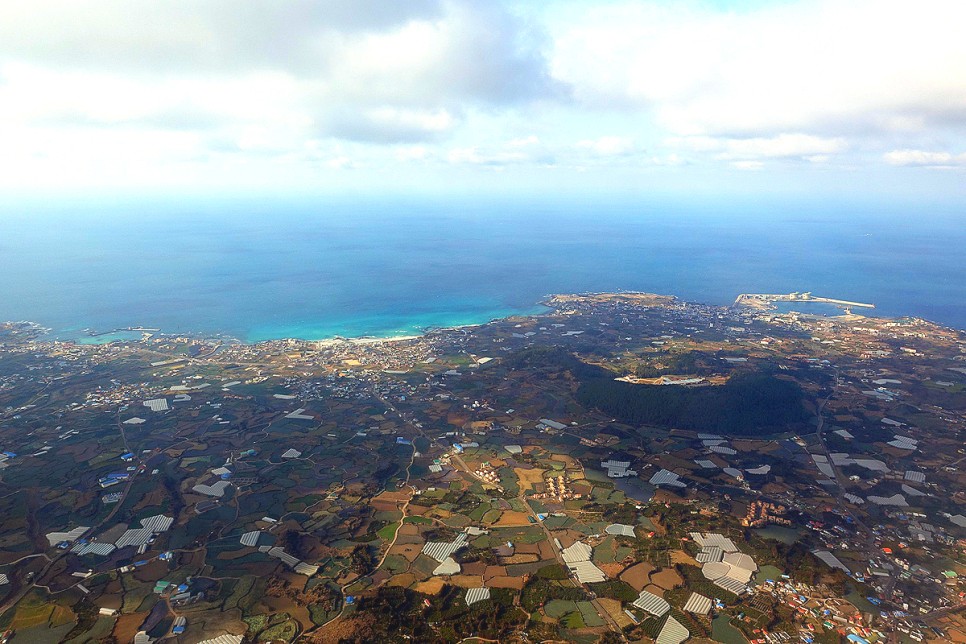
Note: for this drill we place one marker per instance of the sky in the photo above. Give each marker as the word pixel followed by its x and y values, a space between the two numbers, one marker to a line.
pixel 836 99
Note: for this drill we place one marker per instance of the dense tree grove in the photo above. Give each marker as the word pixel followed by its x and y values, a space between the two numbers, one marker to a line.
pixel 539 591
pixel 685 362
pixel 537 359
pixel 443 618
pixel 747 405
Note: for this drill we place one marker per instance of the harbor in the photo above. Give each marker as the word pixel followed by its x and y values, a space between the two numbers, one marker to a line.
pixel 766 300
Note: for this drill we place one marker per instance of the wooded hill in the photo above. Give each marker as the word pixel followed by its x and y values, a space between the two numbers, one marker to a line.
pixel 752 404
pixel 748 404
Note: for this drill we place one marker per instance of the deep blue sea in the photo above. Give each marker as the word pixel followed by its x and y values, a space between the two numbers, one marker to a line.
pixel 315 269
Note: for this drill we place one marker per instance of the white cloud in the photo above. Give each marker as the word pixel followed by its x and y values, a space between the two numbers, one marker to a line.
pixel 817 67
pixel 473 52
pixel 476 156
pixel 783 146
pixel 413 153
pixel 209 36
pixel 524 150
pixel 748 165
pixel 608 146
pixel 524 141
pixel 373 72
pixel 925 158
pixel 35 94
pixel 339 163
pixel 667 160
pixel 388 124
pixel 95 91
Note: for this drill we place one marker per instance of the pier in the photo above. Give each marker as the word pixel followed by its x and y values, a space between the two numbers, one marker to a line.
pixel 759 299
pixel 95 334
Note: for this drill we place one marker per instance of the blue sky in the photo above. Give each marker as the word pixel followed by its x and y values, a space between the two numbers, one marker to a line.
pixel 832 99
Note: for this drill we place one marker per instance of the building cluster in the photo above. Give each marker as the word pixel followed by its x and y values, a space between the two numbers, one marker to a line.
pixel 487 474
pixel 557 489
pixel 761 513
pixel 817 611
pixel 888 569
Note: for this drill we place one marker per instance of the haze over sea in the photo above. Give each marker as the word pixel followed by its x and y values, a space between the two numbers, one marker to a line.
pixel 260 270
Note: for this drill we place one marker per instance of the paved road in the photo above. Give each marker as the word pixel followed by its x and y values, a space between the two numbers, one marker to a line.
pixel 943 611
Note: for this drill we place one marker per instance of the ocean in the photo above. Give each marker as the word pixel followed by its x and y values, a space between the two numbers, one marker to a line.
pixel 259 270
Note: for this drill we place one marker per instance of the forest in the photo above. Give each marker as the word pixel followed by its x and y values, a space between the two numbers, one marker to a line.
pixel 750 404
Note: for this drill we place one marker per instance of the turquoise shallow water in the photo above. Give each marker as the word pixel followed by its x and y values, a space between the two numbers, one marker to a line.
pixel 107 338
pixel 260 270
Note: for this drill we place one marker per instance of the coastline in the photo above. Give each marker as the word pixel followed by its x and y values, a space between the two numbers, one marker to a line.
pixel 336 286
pixel 547 304
pixel 92 337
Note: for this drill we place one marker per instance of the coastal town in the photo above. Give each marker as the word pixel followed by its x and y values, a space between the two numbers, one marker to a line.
pixel 623 467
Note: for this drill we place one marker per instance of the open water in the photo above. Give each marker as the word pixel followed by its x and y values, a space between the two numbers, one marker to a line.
pixel 259 270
